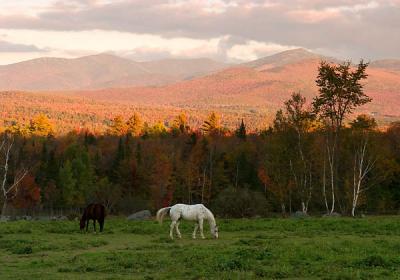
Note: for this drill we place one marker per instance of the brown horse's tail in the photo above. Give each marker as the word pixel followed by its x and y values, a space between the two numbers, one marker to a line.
pixel 161 214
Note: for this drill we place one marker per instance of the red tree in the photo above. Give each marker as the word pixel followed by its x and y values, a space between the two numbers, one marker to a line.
pixel 28 194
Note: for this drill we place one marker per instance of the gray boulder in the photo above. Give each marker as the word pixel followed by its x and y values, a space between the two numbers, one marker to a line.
pixel 299 214
pixel 59 218
pixel 42 218
pixel 5 219
pixel 141 215
pixel 333 215
pixel 26 217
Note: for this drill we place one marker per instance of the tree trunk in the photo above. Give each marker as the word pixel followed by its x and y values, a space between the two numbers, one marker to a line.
pixel 283 207
pixel 324 188
pixel 303 207
pixel 353 209
pixel 237 174
pixel 265 190
pixel 3 211
pixel 203 186
pixel 332 171
pixel 211 175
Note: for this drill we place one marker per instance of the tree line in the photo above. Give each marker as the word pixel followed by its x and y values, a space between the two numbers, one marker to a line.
pixel 317 156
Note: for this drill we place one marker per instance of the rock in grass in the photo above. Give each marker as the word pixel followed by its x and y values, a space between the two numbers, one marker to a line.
pixel 141 215
pixel 332 215
pixel 59 218
pixel 5 219
pixel 300 214
pixel 42 218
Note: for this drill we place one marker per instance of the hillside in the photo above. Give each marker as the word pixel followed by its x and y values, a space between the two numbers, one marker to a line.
pixel 387 64
pixel 253 91
pixel 184 68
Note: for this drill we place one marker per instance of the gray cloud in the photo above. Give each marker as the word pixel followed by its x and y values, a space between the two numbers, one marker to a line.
pixel 353 28
pixel 11 47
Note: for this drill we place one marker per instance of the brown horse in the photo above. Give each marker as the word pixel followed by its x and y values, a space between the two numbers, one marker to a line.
pixel 93 212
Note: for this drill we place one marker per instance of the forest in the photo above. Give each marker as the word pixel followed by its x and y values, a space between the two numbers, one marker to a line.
pixel 316 157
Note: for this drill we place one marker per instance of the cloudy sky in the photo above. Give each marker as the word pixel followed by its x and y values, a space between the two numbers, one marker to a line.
pixel 226 30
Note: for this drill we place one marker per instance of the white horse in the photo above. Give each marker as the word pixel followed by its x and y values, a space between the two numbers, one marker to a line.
pixel 197 212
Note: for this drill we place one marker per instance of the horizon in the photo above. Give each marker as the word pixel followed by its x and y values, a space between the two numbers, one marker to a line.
pixel 222 30
pixel 161 59
pixel 192 58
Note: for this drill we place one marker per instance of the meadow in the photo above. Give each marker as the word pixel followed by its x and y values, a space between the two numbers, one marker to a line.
pixel 275 248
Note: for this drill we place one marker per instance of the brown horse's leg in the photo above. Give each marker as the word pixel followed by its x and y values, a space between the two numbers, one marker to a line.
pixel 87 225
pixel 101 222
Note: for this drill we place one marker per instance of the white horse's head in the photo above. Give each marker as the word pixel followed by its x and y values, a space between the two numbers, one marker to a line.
pixel 214 231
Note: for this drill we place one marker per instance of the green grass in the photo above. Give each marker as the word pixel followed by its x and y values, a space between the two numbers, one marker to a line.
pixel 317 248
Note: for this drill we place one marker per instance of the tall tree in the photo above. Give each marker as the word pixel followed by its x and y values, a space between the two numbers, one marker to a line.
pixel 300 120
pixel 364 122
pixel 241 131
pixel 212 124
pixel 8 187
pixel 118 126
pixel 180 125
pixel 340 93
pixel 67 184
pixel 134 125
pixel 41 126
pixel 28 194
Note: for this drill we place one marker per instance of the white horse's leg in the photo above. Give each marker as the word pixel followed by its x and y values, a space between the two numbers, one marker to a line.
pixel 177 230
pixel 201 228
pixel 171 229
pixel 196 226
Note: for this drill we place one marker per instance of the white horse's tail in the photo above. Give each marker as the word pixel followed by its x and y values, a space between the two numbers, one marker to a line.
pixel 161 214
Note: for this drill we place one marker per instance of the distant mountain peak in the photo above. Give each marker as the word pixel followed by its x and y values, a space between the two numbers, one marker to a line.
pixel 283 58
pixel 297 51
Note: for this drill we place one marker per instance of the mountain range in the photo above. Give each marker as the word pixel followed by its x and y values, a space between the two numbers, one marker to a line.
pixel 254 90
pixel 100 71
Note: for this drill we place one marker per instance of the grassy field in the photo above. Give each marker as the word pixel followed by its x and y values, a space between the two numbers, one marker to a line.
pixel 315 248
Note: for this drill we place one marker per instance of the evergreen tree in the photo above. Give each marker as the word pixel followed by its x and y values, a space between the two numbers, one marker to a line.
pixel 67 183
pixel 241 131
pixel 120 156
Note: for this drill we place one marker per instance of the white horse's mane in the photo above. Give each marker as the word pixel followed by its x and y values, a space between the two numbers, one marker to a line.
pixel 210 217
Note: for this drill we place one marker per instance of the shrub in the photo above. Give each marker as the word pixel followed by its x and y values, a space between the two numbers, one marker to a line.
pixel 22 250
pixel 240 202
pixel 73 217
pixel 374 261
